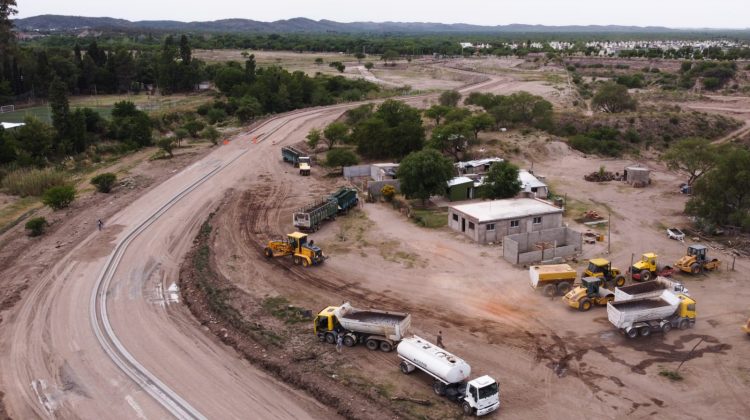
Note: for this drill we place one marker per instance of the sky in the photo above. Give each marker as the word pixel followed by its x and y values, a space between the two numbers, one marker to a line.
pixel 669 13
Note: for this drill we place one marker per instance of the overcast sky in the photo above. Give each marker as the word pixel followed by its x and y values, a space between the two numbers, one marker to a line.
pixel 670 13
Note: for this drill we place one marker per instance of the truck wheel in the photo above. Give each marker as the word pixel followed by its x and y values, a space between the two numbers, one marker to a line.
pixel 644 331
pixel 467 409
pixel 330 338
pixel 620 281
pixel 695 268
pixel 349 341
pixel 405 368
pixel 563 288
pixel 438 388
pixel 584 305
pixel 268 253
pixel 385 346
pixel 684 324
pixel 645 275
pixel 667 327
pixel 371 344
pixel 549 290
pixel 305 263
pixel 296 260
pixel 632 333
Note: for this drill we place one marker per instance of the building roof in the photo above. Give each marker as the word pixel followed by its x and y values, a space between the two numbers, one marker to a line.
pixel 529 181
pixel 478 162
pixel 459 180
pixel 487 211
pixel 7 125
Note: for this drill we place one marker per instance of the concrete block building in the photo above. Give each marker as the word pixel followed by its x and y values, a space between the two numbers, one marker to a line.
pixel 491 221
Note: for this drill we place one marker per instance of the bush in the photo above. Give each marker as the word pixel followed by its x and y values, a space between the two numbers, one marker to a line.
pixel 388 192
pixel 216 115
pixel 26 182
pixel 598 146
pixel 36 226
pixel 104 182
pixel 59 197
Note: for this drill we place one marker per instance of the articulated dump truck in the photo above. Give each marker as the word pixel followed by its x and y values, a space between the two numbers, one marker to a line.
pixel 554 279
pixel 642 316
pixel 375 328
pixel 478 396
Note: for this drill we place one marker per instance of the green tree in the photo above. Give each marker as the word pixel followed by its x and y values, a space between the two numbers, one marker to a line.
pixel 130 125
pixel 104 182
pixel 369 65
pixel 338 65
pixel 58 102
pixel 480 122
pixel 452 138
pixel 180 134
pixel 7 9
pixel 7 147
pixel 59 197
pixel 185 51
pixel 436 112
pixel 167 145
pixel 394 131
pixel 36 226
pixel 193 127
pixel 318 60
pixel 340 158
pixel 449 98
pixel 613 98
pixel 360 113
pixel 389 55
pixel 694 156
pixel 216 115
pixel 423 174
pixel 502 181
pixel 248 108
pixel 359 56
pixel 35 140
pixel 334 133
pixel 313 138
pixel 212 134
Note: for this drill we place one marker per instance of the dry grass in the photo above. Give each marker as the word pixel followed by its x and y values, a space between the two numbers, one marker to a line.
pixel 32 182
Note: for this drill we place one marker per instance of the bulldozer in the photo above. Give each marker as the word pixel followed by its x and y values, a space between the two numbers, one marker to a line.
pixel 589 293
pixel 601 268
pixel 296 245
pixel 647 269
pixel 697 260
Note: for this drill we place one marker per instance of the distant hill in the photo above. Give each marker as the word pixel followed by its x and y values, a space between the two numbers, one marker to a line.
pixel 303 25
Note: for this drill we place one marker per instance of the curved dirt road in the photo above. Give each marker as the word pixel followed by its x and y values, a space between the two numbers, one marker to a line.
pixel 52 363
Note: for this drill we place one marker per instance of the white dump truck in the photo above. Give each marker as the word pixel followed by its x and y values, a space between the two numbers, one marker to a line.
pixel 478 396
pixel 375 328
pixel 642 316
pixel 648 289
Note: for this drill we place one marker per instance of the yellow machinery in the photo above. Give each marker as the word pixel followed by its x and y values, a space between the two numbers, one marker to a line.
pixel 601 268
pixel 296 245
pixel 696 260
pixel 647 269
pixel 746 327
pixel 589 293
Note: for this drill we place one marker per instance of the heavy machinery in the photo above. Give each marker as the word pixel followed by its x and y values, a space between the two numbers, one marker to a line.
pixel 647 269
pixel 643 316
pixel 651 288
pixel 297 158
pixel 697 260
pixel 599 267
pixel 553 279
pixel 589 293
pixel 310 217
pixel 297 246
pixel 376 329
pixel 304 168
pixel 746 327
pixel 478 396
pixel 346 199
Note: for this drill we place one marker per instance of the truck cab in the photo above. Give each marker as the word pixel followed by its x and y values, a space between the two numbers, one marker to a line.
pixel 482 396
pixel 304 165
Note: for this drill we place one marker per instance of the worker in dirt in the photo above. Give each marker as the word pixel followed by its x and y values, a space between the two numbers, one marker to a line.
pixel 440 340
pixel 339 342
pixel 100 224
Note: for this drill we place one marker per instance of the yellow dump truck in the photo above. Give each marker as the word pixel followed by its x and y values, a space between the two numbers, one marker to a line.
pixel 553 279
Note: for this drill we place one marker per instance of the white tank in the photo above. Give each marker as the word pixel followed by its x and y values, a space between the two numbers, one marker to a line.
pixel 433 360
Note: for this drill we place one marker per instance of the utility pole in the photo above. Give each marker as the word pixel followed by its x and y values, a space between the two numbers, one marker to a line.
pixel 609 232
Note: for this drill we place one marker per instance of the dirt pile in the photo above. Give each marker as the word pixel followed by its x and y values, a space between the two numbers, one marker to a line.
pixel 600 176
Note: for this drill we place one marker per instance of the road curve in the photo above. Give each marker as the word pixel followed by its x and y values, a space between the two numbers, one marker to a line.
pixel 100 335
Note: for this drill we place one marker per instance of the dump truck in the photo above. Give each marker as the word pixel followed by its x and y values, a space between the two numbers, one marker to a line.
pixel 647 268
pixel 589 293
pixel 478 396
pixel 599 267
pixel 346 199
pixel 310 217
pixel 647 289
pixel 643 316
pixel 298 158
pixel 296 245
pixel 697 260
pixel 553 279
pixel 375 328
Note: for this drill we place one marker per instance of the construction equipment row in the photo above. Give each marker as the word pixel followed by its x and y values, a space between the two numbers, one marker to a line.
pixel 385 330
pixel 310 217
pixel 298 158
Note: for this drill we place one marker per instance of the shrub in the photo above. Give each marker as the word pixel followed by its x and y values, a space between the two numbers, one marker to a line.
pixel 34 182
pixel 36 226
pixel 166 144
pixel 388 192
pixel 59 197
pixel 216 115
pixel 104 182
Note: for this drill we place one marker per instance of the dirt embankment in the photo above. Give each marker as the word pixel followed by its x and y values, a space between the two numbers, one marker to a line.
pixel 273 335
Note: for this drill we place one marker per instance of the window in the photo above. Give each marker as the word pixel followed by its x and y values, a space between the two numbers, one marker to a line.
pixel 490 226
pixel 471 225
pixel 514 223
pixel 538 220
pixel 455 217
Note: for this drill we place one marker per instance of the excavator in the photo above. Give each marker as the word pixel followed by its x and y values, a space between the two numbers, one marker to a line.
pixel 697 260
pixel 590 292
pixel 296 245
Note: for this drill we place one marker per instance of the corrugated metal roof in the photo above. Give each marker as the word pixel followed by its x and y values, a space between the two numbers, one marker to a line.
pixel 7 125
pixel 529 181
pixel 459 180
pixel 478 162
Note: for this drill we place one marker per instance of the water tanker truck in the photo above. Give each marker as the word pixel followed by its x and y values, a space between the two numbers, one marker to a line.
pixel 375 328
pixel 642 316
pixel 478 396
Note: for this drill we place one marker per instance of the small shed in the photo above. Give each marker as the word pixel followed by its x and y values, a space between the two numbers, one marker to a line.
pixel 460 188
pixel 531 185
pixel 383 171
pixel 479 166
pixel 637 176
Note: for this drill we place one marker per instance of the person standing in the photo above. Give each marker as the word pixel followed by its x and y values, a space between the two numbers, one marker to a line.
pixel 100 224
pixel 339 343
pixel 440 339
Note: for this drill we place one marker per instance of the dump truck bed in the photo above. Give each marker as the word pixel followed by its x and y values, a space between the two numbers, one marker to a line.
pixel 393 325
pixel 625 313
pixel 647 289
pixel 542 274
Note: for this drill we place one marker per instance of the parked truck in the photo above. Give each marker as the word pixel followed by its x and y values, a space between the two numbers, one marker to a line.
pixel 648 289
pixel 552 279
pixel 375 328
pixel 647 268
pixel 346 199
pixel 643 316
pixel 297 158
pixel 310 217
pixel 478 396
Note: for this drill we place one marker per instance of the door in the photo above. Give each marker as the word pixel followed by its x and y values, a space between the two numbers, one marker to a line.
pixel 463 225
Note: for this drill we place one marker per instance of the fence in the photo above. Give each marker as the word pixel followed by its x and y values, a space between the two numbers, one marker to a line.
pixel 356 171
pixel 548 244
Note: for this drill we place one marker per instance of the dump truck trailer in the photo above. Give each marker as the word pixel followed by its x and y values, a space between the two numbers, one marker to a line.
pixel 375 328
pixel 553 279
pixel 346 199
pixel 643 316
pixel 647 289
pixel 310 217
pixel 298 158
pixel 478 396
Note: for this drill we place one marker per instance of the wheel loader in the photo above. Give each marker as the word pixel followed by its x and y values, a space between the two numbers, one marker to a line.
pixel 296 245
pixel 601 268
pixel 697 260
pixel 590 292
